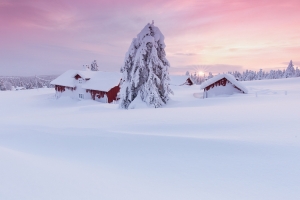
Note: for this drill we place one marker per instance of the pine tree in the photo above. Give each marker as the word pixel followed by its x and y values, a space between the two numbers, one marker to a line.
pixel 297 72
pixel 94 66
pixel 2 87
pixel 290 70
pixel 7 85
pixel 145 70
pixel 271 75
pixel 210 75
pixel 260 75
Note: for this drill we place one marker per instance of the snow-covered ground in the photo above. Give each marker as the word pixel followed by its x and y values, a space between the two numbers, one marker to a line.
pixel 245 146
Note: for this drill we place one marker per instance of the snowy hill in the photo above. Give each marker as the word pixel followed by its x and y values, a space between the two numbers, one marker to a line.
pixel 244 146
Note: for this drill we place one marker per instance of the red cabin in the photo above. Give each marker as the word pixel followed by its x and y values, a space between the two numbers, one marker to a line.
pixel 222 84
pixel 97 85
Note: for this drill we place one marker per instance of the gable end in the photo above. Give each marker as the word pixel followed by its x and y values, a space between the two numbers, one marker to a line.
pixel 77 76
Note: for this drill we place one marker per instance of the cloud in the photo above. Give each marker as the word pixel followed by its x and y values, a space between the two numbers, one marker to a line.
pixel 252 34
pixel 185 54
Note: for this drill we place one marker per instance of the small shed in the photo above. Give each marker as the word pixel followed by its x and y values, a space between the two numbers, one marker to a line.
pixel 222 84
pixel 179 80
pixel 97 85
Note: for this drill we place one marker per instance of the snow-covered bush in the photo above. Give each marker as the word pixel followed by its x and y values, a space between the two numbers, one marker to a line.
pixel 145 70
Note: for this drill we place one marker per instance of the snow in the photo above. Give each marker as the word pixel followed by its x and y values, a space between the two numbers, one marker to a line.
pixel 144 36
pixel 65 79
pixel 226 90
pixel 103 81
pixel 229 77
pixel 19 88
pixel 238 147
pixel 98 80
pixel 178 79
pixel 138 103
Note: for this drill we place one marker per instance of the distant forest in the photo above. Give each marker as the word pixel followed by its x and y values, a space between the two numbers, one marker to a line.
pixel 32 82
pixel 250 75
pixel 19 82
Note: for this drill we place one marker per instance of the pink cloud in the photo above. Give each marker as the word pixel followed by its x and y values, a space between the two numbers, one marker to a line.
pixel 63 34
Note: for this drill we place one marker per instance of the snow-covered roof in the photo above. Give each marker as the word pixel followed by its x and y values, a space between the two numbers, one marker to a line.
pixel 178 79
pixel 66 79
pixel 229 77
pixel 86 74
pixel 97 80
pixel 102 81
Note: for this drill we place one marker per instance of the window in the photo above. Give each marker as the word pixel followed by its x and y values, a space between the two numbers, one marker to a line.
pixel 81 96
pixel 80 80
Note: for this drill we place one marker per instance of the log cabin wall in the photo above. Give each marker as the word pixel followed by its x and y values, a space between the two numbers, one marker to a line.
pixel 96 93
pixel 60 88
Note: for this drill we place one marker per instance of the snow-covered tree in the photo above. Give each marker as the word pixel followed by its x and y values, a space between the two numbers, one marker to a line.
pixel 145 70
pixel 271 75
pixel 297 72
pixel 2 87
pixel 210 75
pixel 94 66
pixel 260 75
pixel 8 85
pixel 290 70
pixel 187 73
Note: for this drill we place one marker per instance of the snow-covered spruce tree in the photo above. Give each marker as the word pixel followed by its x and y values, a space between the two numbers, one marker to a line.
pixel 145 70
pixel 94 66
pixel 210 75
pixel 290 70
pixel 260 75
pixel 297 72
pixel 8 85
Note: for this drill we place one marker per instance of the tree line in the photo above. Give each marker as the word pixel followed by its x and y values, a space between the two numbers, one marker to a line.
pixel 250 75
pixel 30 82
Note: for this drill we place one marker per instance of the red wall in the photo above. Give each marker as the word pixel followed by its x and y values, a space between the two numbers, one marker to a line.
pixel 111 94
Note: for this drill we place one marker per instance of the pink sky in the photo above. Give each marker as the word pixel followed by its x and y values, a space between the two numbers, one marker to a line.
pixel 49 37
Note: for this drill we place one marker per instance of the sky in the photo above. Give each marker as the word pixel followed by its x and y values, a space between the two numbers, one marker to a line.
pixel 40 37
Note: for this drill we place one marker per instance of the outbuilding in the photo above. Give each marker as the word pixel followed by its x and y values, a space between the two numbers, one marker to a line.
pixel 180 80
pixel 97 85
pixel 222 84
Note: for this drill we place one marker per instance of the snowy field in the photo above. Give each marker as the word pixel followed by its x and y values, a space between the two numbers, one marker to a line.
pixel 239 147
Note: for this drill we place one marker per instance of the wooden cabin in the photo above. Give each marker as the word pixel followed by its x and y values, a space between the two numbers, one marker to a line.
pixel 222 84
pixel 97 85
